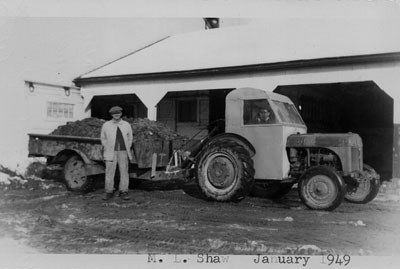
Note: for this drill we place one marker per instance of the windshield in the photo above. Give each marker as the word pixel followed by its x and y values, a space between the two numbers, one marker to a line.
pixel 288 113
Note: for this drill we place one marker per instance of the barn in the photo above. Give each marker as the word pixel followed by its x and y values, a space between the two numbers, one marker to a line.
pixel 342 79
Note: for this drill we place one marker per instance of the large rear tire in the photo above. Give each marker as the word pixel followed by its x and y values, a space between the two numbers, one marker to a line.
pixel 367 190
pixel 74 175
pixel 224 171
pixel 321 188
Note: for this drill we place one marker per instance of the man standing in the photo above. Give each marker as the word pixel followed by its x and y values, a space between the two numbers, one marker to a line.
pixel 116 138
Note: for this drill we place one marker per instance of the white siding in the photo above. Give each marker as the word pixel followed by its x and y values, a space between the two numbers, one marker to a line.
pixel 38 120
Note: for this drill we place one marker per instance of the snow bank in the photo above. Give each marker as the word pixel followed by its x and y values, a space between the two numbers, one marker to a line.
pixel 10 180
pixel 389 191
pixel 288 219
pixel 14 247
pixel 4 179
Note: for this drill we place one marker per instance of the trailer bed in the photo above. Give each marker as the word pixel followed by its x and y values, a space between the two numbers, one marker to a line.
pixel 41 145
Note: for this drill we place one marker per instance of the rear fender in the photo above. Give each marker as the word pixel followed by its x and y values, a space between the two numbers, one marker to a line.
pixel 91 167
pixel 64 155
pixel 236 138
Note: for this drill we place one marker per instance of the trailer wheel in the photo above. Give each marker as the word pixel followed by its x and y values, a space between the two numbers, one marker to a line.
pixel 322 188
pixel 224 171
pixel 367 190
pixel 271 190
pixel 75 177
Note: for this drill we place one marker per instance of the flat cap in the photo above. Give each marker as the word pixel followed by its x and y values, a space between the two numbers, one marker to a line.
pixel 115 110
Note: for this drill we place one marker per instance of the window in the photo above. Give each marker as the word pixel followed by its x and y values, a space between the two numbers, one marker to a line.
pixel 288 113
pixel 60 110
pixel 187 110
pixel 257 112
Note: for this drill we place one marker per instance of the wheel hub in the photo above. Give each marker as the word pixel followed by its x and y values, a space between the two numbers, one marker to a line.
pixel 76 175
pixel 361 191
pixel 221 172
pixel 321 189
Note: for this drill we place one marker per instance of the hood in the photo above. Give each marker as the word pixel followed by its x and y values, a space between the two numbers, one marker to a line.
pixel 324 140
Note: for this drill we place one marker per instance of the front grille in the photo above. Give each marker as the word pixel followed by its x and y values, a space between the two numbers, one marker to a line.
pixel 356 159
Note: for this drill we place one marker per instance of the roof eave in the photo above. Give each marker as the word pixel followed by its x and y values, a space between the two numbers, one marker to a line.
pixel 332 61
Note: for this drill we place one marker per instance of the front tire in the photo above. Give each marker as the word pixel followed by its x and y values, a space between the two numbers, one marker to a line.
pixel 75 177
pixel 224 171
pixel 321 188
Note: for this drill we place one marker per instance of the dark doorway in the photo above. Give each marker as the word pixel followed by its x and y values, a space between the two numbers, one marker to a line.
pixel 358 107
pixel 217 109
pixel 130 103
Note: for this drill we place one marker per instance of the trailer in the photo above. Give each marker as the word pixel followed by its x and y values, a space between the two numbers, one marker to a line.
pixel 80 159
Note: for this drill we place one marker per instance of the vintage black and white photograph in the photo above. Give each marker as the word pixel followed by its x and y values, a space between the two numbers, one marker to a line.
pixel 200 133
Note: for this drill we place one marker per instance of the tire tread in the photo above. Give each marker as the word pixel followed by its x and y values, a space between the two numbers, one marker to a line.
pixel 247 179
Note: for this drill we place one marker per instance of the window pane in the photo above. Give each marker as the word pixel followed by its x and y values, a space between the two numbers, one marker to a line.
pixel 54 110
pixel 258 112
pixel 48 109
pixel 66 111
pixel 288 113
pixel 70 111
pixel 60 110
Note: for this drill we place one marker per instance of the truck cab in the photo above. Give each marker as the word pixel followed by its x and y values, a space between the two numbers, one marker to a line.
pixel 267 135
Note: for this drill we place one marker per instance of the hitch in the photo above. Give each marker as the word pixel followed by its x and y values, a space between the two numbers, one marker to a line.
pixel 191 155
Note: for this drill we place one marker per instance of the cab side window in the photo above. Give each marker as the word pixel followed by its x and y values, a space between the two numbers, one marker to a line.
pixel 257 112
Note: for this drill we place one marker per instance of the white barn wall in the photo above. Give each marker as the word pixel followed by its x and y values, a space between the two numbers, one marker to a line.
pixel 36 101
pixel 27 113
pixel 150 92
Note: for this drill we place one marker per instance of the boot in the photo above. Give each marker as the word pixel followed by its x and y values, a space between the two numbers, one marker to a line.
pixel 107 196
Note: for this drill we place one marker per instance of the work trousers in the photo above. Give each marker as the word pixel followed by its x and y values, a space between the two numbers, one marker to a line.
pixel 120 158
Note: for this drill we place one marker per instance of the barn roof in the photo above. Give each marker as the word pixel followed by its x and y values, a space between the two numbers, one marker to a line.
pixel 232 47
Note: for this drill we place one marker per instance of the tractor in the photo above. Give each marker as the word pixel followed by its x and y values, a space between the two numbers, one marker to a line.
pixel 267 157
